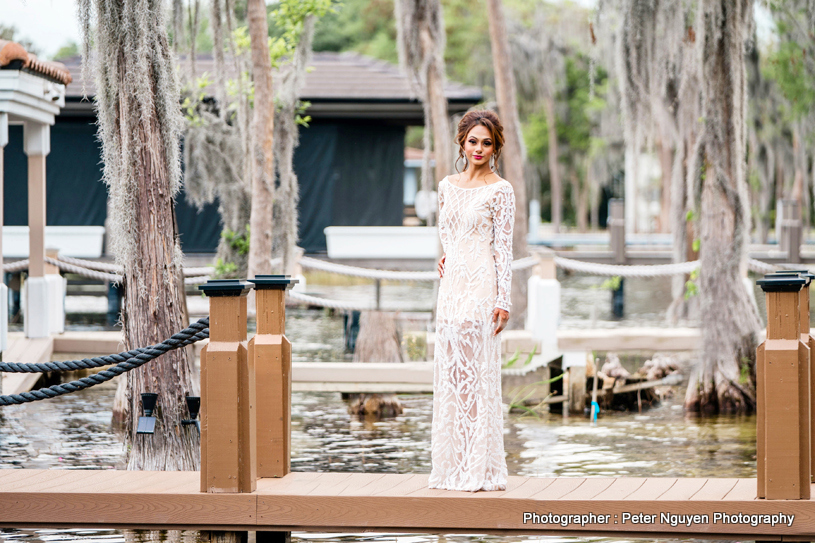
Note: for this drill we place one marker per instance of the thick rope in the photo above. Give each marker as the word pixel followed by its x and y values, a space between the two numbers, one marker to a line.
pixel 325 302
pixel 370 273
pixel 657 270
pixel 201 325
pixel 196 332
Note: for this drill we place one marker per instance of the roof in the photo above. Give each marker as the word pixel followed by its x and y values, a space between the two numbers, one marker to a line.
pixel 338 85
pixel 13 56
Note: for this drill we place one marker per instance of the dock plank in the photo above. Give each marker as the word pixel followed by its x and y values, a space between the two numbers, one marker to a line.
pixel 745 490
pixel 621 488
pixel 352 502
pixel 715 489
pixel 652 488
pixel 682 490
pixel 558 489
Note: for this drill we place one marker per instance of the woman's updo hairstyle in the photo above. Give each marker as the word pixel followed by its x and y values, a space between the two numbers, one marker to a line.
pixel 486 118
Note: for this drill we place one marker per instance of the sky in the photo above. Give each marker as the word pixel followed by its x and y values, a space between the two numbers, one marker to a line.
pixel 50 24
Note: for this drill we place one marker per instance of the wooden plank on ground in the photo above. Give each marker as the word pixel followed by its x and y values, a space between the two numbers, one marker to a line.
pixel 26 351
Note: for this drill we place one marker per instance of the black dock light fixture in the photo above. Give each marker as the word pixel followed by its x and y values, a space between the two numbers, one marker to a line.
pixel 194 406
pixel 147 423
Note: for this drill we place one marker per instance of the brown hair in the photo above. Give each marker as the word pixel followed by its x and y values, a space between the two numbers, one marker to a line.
pixel 486 118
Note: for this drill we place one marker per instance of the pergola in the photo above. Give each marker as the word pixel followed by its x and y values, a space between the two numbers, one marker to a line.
pixel 32 92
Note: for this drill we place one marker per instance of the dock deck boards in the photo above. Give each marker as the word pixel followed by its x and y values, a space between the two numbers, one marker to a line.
pixel 360 502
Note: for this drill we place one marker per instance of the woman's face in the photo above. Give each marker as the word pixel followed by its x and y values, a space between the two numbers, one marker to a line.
pixel 478 145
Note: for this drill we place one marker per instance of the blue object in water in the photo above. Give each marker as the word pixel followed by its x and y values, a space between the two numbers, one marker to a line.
pixel 595 409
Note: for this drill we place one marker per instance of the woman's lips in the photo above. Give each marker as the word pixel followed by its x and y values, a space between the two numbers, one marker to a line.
pixel 478 157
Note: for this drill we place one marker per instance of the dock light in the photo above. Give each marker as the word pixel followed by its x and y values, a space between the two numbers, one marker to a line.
pixel 194 406
pixel 147 423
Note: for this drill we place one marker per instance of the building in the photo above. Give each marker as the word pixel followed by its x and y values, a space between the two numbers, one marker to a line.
pixel 350 161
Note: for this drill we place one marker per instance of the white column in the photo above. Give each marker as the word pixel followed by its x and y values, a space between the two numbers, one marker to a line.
pixel 543 305
pixel 37 145
pixel 3 288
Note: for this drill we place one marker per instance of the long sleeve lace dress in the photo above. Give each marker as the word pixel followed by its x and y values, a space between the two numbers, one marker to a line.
pixel 467 436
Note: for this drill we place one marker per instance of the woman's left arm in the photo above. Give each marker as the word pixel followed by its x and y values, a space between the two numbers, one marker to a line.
pixel 503 219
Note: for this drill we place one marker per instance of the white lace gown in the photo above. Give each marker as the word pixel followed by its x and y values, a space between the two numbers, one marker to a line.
pixel 467 436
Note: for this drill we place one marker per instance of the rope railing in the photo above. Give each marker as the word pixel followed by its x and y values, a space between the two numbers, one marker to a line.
pixel 622 270
pixel 124 362
pixel 390 275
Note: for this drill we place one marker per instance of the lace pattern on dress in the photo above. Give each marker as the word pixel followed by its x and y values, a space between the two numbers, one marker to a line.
pixel 467 443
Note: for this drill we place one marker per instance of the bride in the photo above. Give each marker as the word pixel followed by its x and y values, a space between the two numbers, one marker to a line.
pixel 476 216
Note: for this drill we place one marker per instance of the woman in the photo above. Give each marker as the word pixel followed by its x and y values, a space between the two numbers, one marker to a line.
pixel 476 215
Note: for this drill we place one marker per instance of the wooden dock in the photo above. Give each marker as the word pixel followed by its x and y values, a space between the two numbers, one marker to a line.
pixel 377 502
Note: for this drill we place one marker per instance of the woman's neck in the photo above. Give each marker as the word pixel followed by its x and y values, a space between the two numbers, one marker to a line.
pixel 476 174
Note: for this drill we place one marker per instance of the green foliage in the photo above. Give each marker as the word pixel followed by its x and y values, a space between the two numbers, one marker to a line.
pixel 364 26
pixel 515 357
pixel 70 49
pixel 612 283
pixel 520 395
pixel 787 67
pixel 691 287
pixel 238 242
pixel 193 98
pixel 286 21
pixel 225 270
pixel 744 370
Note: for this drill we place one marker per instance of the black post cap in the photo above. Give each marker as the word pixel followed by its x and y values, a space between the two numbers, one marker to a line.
pixel 225 287
pixel 781 283
pixel 273 282
pixel 804 274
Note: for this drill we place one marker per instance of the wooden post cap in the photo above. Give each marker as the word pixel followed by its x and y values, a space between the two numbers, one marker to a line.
pixel 225 287
pixel 782 283
pixel 273 282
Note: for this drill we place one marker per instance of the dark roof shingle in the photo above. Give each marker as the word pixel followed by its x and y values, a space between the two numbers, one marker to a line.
pixel 335 76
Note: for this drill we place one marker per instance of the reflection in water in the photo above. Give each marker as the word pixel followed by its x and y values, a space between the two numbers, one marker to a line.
pixel 73 431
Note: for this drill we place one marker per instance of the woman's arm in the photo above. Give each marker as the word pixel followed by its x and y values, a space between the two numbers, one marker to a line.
pixel 503 219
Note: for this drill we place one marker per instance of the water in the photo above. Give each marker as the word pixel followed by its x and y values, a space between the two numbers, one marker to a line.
pixel 74 431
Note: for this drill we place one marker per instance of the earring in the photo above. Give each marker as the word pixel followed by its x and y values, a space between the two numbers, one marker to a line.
pixel 492 163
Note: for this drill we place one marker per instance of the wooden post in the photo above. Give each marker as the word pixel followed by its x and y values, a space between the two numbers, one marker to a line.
pixel 809 341
pixel 228 422
pixel 783 402
pixel 270 352
pixel 37 145
pixel 616 227
pixel 791 230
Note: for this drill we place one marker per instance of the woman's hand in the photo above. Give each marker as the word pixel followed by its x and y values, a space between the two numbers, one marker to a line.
pixel 441 266
pixel 501 317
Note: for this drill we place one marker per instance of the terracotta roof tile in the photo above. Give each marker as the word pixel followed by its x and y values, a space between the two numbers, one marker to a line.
pixel 14 56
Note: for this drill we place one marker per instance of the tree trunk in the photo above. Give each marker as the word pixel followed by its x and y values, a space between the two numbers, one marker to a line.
pixel 442 143
pixel 153 311
pixel 139 129
pixel 730 322
pixel 260 221
pixel 665 162
pixel 554 170
pixel 513 155
pixel 218 55
pixel 378 341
